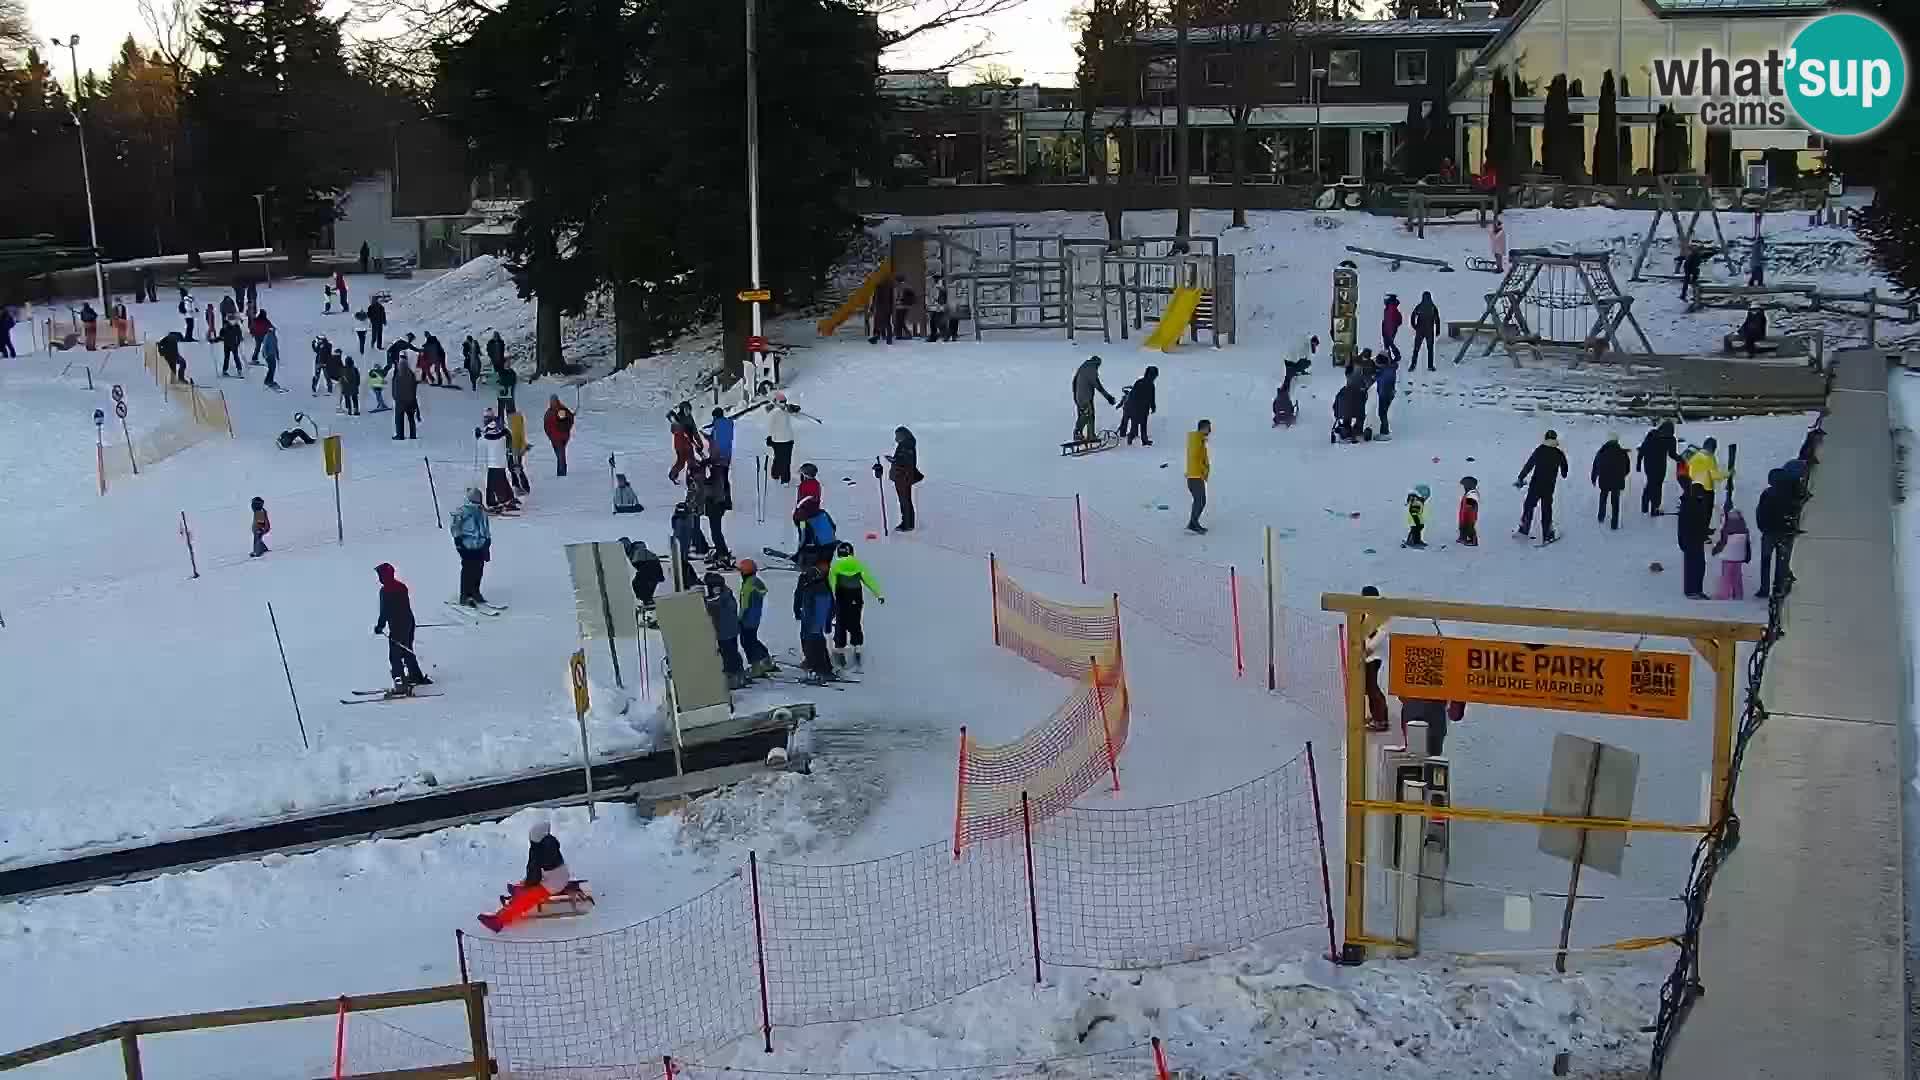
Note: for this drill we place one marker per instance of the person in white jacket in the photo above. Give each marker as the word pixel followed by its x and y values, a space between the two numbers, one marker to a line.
pixel 780 414
pixel 492 437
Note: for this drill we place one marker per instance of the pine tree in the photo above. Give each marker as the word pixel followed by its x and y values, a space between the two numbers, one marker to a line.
pixel 1500 142
pixel 1890 160
pixel 1606 136
pixel 1553 134
pixel 1413 147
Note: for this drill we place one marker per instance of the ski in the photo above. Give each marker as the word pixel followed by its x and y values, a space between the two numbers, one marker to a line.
pixel 489 610
pixel 387 697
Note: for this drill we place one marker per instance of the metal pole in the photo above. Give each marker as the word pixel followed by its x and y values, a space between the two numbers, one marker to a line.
pixel 753 175
pixel 86 173
pixel 1579 857
pixel 295 696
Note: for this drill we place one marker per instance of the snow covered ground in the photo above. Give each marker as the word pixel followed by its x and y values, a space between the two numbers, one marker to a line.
pixel 154 703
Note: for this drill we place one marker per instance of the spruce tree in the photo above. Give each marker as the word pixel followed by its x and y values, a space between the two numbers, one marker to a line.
pixel 1606 136
pixel 1500 140
pixel 1553 135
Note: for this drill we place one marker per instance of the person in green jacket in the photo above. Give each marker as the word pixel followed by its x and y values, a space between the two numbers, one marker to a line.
pixel 848 578
pixel 377 382
pixel 753 604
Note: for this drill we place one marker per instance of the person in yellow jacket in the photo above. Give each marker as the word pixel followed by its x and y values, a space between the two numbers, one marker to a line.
pixel 1199 467
pixel 1703 467
pixel 846 576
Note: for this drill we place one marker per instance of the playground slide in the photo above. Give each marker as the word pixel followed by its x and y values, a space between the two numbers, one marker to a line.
pixel 857 301
pixel 1173 321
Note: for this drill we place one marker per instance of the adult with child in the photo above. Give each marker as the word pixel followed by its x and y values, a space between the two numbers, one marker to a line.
pixel 1086 383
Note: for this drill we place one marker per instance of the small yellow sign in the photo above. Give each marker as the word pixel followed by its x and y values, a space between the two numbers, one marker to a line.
pixel 517 432
pixel 331 454
pixel 750 296
pixel 1566 677
pixel 577 670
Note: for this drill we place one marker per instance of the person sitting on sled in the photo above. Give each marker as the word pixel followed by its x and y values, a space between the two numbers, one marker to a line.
pixel 547 877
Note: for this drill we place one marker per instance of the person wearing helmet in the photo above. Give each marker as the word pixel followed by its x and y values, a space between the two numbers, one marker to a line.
pixel 647 572
pixel 547 875
pixel 809 488
pixel 780 437
pixel 753 604
pixel 817 537
pixel 726 628
pixel 846 577
pixel 689 541
pixel 1417 515
pixel 813 610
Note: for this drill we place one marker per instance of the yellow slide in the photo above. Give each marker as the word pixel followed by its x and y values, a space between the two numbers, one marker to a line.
pixel 857 301
pixel 1173 322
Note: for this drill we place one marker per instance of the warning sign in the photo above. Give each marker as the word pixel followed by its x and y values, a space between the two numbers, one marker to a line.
pixel 1566 677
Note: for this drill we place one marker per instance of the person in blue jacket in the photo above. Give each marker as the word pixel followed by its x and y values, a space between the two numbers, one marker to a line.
pixel 725 613
pixel 817 538
pixel 753 604
pixel 720 436
pixel 813 610
pixel 473 539
pixel 1386 377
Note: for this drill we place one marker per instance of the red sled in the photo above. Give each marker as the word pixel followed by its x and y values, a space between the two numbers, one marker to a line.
pixel 565 904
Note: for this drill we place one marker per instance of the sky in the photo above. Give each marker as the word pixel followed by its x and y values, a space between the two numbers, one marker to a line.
pixel 1033 39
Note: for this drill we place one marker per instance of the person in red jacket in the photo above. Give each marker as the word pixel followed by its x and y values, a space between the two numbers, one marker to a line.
pixel 686 439
pixel 809 484
pixel 1469 512
pixel 559 427
pixel 258 328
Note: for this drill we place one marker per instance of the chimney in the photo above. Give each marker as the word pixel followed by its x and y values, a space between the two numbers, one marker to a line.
pixel 1477 11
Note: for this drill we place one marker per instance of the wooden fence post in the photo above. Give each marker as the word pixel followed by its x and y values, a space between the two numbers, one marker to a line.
pixel 130 1051
pixel 476 995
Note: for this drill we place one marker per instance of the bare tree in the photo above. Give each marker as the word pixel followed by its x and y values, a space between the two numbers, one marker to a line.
pixel 902 21
pixel 1111 86
pixel 16 32
pixel 1259 33
pixel 172 24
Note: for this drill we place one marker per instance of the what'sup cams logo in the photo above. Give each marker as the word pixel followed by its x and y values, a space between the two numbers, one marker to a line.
pixel 1845 76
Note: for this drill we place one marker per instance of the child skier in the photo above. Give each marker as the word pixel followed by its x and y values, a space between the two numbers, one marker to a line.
pixel 1417 515
pixel 725 613
pixel 845 577
pixel 624 500
pixel 547 875
pixel 813 610
pixel 817 534
pixel 809 489
pixel 752 604
pixel 261 527
pixel 647 574
pixel 1469 520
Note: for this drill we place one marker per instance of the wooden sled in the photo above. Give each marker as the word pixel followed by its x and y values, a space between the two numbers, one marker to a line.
pixel 569 902
pixel 1107 440
pixel 1485 266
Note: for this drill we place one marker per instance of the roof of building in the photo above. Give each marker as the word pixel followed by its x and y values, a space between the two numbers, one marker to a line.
pixel 1722 7
pixel 1352 28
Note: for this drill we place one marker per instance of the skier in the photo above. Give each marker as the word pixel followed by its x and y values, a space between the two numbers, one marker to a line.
pixel 377 382
pixel 349 385
pixel 1376 660
pixel 1385 378
pixel 1696 522
pixel 647 573
pixel 1546 465
pixel 714 503
pixel 780 437
pixel 473 540
pixel 846 577
pixel 377 321
pixel 90 328
pixel 720 438
pixel 624 500
pixel 1611 466
pixel 689 541
pixel 1426 327
pixel 169 347
pixel 1417 515
pixel 817 534
pixel 1199 468
pixel 1137 404
pixel 406 394
pixel 1390 320
pixel 904 470
pixel 396 622
pixel 230 337
pixel 492 435
pixel 813 610
pixel 558 423
pixel 262 525
pixel 1735 548
pixel 752 605
pixel 547 876
pixel 1469 517
pixel 686 440
pixel 809 489
pixel 1777 516
pixel 1656 450
pixel 1086 383
pixel 880 313
pixel 725 614
pixel 297 433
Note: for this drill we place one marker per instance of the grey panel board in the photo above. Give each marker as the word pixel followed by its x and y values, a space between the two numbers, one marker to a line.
pixel 1567 797
pixel 693 653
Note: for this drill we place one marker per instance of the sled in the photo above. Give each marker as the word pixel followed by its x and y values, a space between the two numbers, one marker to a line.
pixel 1485 266
pixel 574 900
pixel 1106 440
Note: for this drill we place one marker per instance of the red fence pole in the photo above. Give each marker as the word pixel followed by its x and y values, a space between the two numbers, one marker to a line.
pixel 1106 729
pixel 760 951
pixel 993 579
pixel 1033 903
pixel 960 794
pixel 1233 595
pixel 1080 530
pixel 1320 831
pixel 1159 1059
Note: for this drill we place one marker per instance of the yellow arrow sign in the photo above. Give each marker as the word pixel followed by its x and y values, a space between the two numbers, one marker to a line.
pixel 748 296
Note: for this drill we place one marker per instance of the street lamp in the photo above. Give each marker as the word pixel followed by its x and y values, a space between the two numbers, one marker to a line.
pixel 72 46
pixel 1318 74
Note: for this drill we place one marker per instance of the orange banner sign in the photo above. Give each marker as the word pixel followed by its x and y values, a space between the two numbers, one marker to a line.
pixel 1567 677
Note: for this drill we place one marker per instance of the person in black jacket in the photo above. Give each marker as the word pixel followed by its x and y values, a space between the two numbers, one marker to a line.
pixel 1426 326
pixel 396 621
pixel 904 471
pixel 1139 405
pixel 547 876
pixel 1545 466
pixel 648 575
pixel 1696 524
pixel 1611 465
pixel 377 320
pixel 1656 450
pixel 1778 518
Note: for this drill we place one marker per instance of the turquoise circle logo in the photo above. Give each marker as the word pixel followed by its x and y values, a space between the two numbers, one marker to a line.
pixel 1848 75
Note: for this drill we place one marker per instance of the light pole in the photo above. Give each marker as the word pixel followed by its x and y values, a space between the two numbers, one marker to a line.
pixel 260 206
pixel 1317 74
pixel 753 185
pixel 72 46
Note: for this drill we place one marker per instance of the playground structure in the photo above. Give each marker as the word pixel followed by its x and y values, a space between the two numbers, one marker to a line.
pixel 1677 192
pixel 1902 312
pixel 1000 277
pixel 1421 206
pixel 1395 258
pixel 1557 300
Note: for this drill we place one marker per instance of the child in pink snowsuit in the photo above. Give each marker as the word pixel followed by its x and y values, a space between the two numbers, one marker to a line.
pixel 1735 548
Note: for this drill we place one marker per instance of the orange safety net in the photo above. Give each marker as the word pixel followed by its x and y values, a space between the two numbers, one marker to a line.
pixel 1061 638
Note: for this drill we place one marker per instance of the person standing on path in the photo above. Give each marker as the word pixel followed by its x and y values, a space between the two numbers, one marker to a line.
pixel 1199 468
pixel 558 423
pixel 366 258
pixel 230 337
pixel 1703 467
pixel 780 437
pixel 880 312
pixel 1735 548
pixel 350 387
pixel 849 580
pixel 1376 647
pixel 377 321
pixel 340 286
pixel 396 622
pixel 1611 467
pixel 473 541
pixel 1086 383
pixel 492 436
pixel 1757 260
pixel 904 470
pixel 1426 327
pixel 1777 517
pixel 1656 451
pixel 1142 402
pixel 496 351
pixel 1386 377
pixel 813 610
pixel 504 391
pixel 1695 523
pixel 6 331
pixel 1390 320
pixel 90 325
pixel 1545 466
pixel 406 394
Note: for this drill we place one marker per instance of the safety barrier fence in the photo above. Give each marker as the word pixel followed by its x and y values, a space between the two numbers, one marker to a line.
pixel 1144 1061
pixel 781 945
